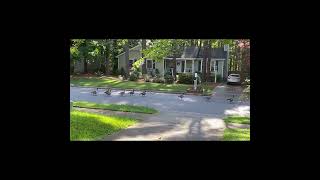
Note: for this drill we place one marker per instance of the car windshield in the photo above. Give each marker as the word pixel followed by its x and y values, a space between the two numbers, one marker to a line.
pixel 235 75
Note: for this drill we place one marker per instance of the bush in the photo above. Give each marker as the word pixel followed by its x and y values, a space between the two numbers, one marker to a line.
pixel 185 79
pixel 158 80
pixel 203 88
pixel 168 78
pixel 211 79
pixel 134 76
pixel 157 73
pixel 99 73
pixel 123 73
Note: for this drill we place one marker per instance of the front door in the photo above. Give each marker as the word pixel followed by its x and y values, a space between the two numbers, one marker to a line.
pixel 179 66
pixel 182 66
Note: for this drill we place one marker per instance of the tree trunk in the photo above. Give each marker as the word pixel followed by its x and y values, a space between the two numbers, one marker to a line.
pixel 114 60
pixel 144 66
pixel 205 61
pixel 175 67
pixel 209 60
pixel 85 63
pixel 107 71
pixel 126 50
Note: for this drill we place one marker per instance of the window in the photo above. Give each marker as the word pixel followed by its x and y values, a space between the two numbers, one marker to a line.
pixel 130 63
pixel 212 66
pixel 149 64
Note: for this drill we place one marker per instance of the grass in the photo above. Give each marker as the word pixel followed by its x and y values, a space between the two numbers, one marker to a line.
pixel 115 107
pixel 86 126
pixel 113 82
pixel 236 134
pixel 237 119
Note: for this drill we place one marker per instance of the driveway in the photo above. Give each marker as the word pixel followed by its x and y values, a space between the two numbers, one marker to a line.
pixel 192 118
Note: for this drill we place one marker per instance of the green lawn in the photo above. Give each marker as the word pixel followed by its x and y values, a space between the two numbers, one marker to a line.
pixel 86 126
pixel 116 83
pixel 115 107
pixel 237 119
pixel 236 134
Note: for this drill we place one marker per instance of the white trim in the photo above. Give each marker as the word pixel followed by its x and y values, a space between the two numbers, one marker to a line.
pixel 151 63
pixel 185 66
pixel 215 71
pixel 192 66
pixel 222 72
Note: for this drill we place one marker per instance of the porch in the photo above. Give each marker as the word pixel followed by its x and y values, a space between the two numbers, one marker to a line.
pixel 192 65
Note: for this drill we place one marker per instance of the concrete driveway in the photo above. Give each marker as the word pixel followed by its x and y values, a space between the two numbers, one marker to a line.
pixel 192 118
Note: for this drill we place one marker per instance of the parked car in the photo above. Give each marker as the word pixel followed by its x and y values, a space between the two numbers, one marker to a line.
pixel 233 78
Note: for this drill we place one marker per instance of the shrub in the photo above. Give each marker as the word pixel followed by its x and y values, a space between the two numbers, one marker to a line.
pixel 123 73
pixel 134 76
pixel 185 79
pixel 157 73
pixel 203 88
pixel 211 79
pixel 168 78
pixel 158 80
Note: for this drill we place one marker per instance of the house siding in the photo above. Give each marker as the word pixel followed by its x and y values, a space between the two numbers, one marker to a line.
pixel 159 66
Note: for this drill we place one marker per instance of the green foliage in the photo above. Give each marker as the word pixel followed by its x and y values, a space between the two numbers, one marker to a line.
pixel 185 79
pixel 158 80
pixel 168 78
pixel 157 73
pixel 123 72
pixel 211 78
pixel 134 76
pixel 204 88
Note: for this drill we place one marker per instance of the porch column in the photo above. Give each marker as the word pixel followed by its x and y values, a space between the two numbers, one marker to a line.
pixel 192 66
pixel 215 71
pixel 201 65
pixel 185 65
pixel 222 70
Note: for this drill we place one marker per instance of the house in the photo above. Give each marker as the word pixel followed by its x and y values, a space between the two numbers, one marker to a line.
pixel 189 61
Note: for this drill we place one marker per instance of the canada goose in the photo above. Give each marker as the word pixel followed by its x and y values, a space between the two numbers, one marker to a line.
pixel 108 92
pixel 94 93
pixel 181 96
pixel 143 93
pixel 131 92
pixel 123 92
pixel 230 99
pixel 208 98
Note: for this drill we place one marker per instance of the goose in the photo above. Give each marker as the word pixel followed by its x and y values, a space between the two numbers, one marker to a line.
pixel 143 93
pixel 94 92
pixel 123 92
pixel 131 92
pixel 181 96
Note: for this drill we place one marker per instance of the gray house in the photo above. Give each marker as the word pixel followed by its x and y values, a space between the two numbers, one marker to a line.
pixel 189 61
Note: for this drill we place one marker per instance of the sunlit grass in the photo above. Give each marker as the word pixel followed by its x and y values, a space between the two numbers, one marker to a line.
pixel 114 83
pixel 115 107
pixel 236 134
pixel 86 126
pixel 237 119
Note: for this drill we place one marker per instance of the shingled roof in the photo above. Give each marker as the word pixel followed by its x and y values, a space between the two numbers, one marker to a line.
pixel 196 52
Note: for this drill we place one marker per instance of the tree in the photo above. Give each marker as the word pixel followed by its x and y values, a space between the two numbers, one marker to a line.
pixel 126 50
pixel 144 66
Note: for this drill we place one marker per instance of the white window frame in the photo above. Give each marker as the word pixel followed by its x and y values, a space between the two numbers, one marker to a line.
pixel 153 64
